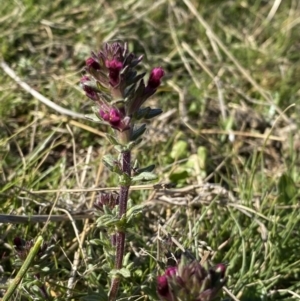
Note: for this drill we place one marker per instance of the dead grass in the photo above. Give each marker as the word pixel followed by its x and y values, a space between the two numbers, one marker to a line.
pixel 228 138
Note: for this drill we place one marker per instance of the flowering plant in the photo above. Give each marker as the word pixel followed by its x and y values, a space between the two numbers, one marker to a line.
pixel 119 92
pixel 190 281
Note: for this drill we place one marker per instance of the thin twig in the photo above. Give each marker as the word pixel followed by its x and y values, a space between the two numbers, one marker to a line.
pixel 37 95
pixel 21 219
pixel 137 187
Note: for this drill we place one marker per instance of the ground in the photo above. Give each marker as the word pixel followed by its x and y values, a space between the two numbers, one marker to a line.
pixel 228 139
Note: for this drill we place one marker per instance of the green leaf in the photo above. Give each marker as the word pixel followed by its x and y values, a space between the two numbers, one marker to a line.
pixel 94 117
pixel 287 188
pixel 144 176
pixel 133 211
pixel 112 140
pixel 132 214
pixel 95 109
pixel 132 144
pixel 179 176
pixel 135 78
pixel 153 113
pixel 101 88
pixel 146 113
pixel 149 168
pixel 137 132
pixel 122 272
pixel 179 150
pixel 129 91
pixel 118 102
pixel 96 242
pixel 107 220
pixel 136 164
pixel 141 113
pixel 126 259
pixel 120 148
pixel 95 86
pixel 202 157
pixel 112 164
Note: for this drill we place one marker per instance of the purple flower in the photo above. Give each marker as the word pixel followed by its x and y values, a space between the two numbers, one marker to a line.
pixel 92 63
pixel 110 199
pixel 114 51
pixel 85 79
pixel 143 93
pixel 155 77
pixel 163 289
pixel 115 118
pixel 171 271
pixel 23 247
pixel 220 268
pixel 113 79
pixel 87 86
pixel 190 281
pixel 114 68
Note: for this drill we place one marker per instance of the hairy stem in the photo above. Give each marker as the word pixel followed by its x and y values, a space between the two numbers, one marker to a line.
pixel 120 235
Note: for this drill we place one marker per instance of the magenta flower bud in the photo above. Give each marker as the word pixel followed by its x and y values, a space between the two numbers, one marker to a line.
pixel 113 116
pixel 23 247
pixel 163 288
pixel 114 78
pixel 220 269
pixel 85 79
pixel 104 115
pixel 92 63
pixel 89 91
pixel 171 271
pixel 155 77
pixel 109 199
pixel 19 243
pixel 114 65
pixel 114 68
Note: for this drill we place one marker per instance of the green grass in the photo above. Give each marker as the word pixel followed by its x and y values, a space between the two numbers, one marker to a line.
pixel 238 77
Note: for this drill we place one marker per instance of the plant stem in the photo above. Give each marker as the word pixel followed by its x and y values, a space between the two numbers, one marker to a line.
pixel 120 235
pixel 28 261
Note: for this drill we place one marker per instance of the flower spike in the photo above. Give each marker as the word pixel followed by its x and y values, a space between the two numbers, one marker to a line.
pixel 113 78
pixel 190 281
